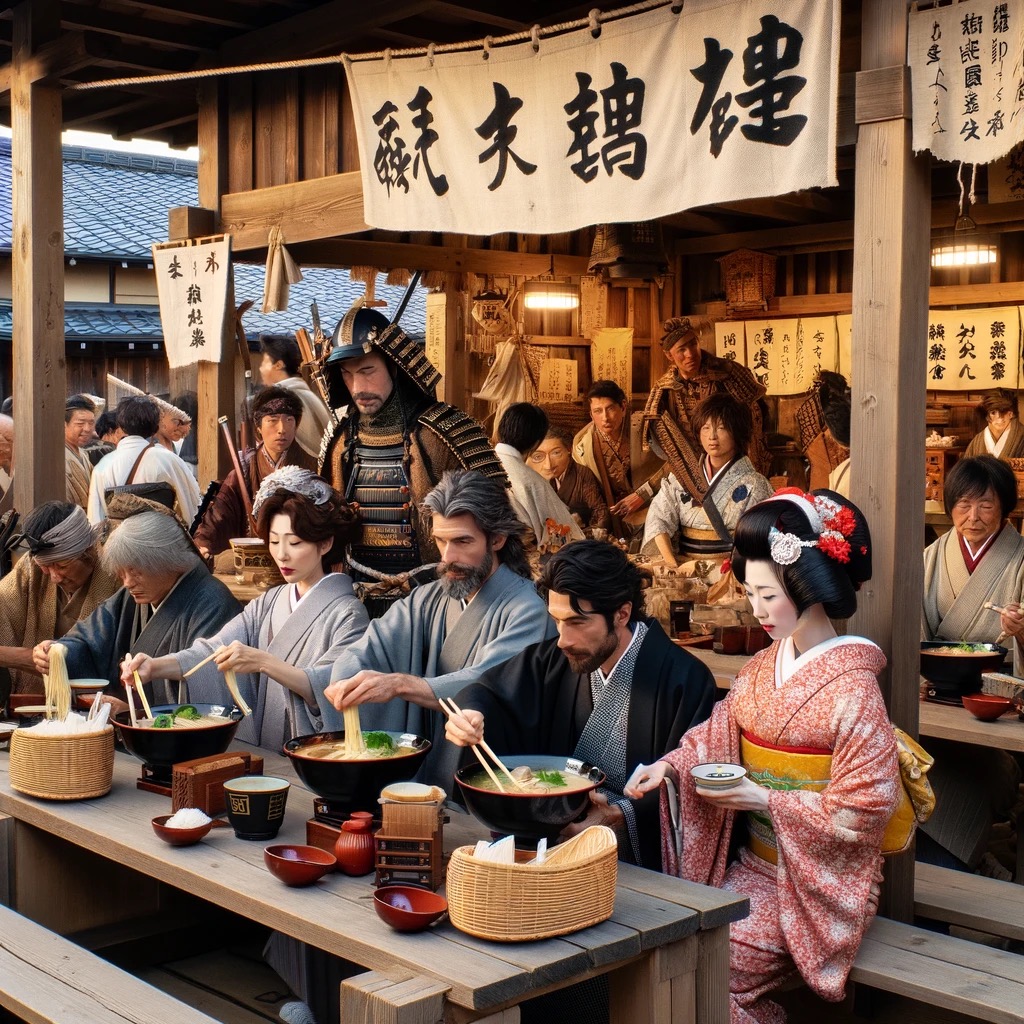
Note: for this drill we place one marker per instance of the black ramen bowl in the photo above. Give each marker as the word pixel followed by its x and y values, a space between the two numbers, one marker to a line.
pixel 160 749
pixel 953 674
pixel 529 816
pixel 354 785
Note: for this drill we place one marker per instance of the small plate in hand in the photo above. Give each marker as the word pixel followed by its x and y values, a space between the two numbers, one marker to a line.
pixel 718 776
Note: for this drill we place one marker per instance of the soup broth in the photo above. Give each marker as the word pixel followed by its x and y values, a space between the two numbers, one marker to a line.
pixel 537 781
pixel 334 750
pixel 184 723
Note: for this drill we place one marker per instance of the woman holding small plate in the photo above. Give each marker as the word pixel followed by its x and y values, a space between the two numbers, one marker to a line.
pixel 806 724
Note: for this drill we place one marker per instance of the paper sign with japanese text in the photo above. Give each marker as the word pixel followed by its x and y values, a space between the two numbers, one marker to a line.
pixel 437 329
pixel 192 280
pixel 659 111
pixel 785 355
pixel 973 349
pixel 611 356
pixel 558 381
pixel 730 340
pixel 844 330
pixel 967 79
pixel 593 305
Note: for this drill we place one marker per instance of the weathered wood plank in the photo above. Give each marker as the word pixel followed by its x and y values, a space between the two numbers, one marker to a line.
pixel 240 144
pixel 985 904
pixel 715 907
pixel 883 94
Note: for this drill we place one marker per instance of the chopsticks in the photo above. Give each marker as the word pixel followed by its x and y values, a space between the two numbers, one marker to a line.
pixel 997 608
pixel 131 705
pixel 205 661
pixel 451 708
pixel 142 695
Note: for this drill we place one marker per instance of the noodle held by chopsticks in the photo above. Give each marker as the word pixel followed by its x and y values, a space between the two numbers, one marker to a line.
pixel 354 742
pixel 232 684
pixel 56 685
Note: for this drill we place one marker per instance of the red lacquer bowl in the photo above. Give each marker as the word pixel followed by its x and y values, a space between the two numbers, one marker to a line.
pixel 987 706
pixel 179 836
pixel 298 865
pixel 408 908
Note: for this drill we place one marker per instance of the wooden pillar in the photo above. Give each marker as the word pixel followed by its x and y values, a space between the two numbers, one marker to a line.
pixel 40 378
pixel 890 319
pixel 215 381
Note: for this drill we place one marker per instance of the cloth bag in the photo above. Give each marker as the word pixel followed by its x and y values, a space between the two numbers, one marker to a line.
pixel 917 798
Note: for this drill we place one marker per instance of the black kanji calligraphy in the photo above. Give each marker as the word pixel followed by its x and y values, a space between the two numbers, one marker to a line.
pixel 761 359
pixel 936 353
pixel 710 75
pixel 972 76
pixel 769 335
pixel 970 51
pixel 212 266
pixel 198 338
pixel 934 54
pixel 965 371
pixel 776 48
pixel 174 269
pixel 997 350
pixel 390 161
pixel 937 331
pixel 194 294
pixel 195 316
pixel 998 371
pixel 498 126
pixel 970 103
pixel 582 123
pixel 1000 18
pixel 426 138
pixel 970 130
pixel 997 329
pixel 623 113
pixel 937 372
pixel 995 123
pixel 972 25
pixel 936 31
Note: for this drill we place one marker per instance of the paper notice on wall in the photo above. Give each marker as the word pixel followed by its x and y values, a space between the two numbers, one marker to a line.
pixel 611 356
pixel 730 340
pixel 436 329
pixel 973 349
pixel 593 306
pixel 786 355
pixel 558 381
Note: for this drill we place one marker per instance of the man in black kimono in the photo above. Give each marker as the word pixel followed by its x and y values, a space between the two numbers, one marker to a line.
pixel 611 690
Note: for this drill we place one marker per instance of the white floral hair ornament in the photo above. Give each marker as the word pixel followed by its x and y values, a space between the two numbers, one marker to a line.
pixel 296 480
pixel 832 522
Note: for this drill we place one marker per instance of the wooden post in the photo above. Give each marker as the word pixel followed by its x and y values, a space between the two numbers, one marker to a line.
pixel 890 321
pixel 40 377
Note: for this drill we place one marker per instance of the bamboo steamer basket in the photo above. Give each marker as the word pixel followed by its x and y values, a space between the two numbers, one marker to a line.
pixel 62 767
pixel 573 889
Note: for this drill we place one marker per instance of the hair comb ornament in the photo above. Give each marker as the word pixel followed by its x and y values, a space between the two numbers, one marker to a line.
pixel 832 522
pixel 294 479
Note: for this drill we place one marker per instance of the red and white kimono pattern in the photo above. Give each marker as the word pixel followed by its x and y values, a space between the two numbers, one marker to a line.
pixel 808 914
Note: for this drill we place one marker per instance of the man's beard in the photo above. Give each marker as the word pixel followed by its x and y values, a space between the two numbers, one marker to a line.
pixel 585 663
pixel 470 579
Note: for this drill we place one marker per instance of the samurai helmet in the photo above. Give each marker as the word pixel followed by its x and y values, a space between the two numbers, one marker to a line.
pixel 363 330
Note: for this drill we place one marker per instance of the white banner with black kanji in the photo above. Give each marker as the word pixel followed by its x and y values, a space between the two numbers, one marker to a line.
pixel 967 79
pixel 727 100
pixel 192 279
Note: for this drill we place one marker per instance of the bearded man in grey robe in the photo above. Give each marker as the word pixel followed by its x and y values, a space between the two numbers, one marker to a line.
pixel 482 609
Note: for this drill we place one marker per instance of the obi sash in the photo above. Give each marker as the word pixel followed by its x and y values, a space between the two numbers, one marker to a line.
pixel 779 767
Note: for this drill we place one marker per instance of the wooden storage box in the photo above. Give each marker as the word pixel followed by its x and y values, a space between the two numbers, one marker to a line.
pixel 200 782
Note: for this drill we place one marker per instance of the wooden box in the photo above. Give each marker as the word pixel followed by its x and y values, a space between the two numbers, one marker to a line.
pixel 321 835
pixel 200 783
pixel 410 859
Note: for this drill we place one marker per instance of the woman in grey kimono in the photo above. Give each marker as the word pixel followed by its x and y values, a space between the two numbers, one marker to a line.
pixel 306 622
pixel 678 528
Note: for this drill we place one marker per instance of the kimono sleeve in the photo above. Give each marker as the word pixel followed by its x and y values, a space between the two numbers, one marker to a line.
pixel 92 644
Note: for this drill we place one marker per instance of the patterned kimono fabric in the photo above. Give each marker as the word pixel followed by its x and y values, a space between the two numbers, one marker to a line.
pixel 816 733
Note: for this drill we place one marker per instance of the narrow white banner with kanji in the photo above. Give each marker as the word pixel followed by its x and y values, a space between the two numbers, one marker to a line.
pixel 192 284
pixel 973 349
pixel 727 100
pixel 611 356
pixel 967 79
pixel 786 355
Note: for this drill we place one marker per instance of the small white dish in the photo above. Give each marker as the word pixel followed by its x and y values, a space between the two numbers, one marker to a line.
pixel 87 685
pixel 718 775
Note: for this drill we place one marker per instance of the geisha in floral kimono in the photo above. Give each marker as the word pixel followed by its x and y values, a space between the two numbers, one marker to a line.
pixel 806 719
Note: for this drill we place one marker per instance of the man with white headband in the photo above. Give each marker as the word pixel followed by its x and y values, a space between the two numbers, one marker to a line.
pixel 57 583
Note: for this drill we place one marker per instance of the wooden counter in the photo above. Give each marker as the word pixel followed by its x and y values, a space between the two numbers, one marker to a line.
pixel 666 947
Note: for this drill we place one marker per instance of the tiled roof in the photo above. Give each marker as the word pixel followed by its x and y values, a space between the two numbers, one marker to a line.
pixel 115 206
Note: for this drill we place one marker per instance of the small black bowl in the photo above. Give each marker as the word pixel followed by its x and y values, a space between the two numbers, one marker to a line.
pixel 354 785
pixel 956 675
pixel 160 749
pixel 529 816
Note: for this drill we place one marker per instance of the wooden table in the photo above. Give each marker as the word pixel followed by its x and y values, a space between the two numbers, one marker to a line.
pixel 723 666
pixel 665 949
pixel 946 722
pixel 242 592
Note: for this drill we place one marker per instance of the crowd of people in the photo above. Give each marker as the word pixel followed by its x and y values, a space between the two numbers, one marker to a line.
pixel 419 561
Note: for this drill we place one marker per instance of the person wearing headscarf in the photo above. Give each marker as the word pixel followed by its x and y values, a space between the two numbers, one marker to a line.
pixel 58 582
pixel 276 414
pixel 392 445
pixel 167 601
pixel 695 375
pixel 306 623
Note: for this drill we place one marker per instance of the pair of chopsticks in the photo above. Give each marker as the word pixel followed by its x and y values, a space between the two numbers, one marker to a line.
pixel 142 696
pixel 229 679
pixel 1000 609
pixel 451 708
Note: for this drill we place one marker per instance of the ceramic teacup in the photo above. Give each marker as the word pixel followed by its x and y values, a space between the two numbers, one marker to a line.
pixel 255 805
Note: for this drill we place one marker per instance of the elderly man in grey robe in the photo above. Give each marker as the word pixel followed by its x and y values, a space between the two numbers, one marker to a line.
pixel 980 561
pixel 482 610
pixel 168 599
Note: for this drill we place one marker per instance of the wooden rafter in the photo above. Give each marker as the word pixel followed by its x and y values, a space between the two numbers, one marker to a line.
pixel 138 30
pixel 227 15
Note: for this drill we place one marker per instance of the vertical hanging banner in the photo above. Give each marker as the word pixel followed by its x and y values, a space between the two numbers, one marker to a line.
pixel 437 330
pixel 593 305
pixel 785 355
pixel 611 356
pixel 558 381
pixel 192 284
pixel 973 349
pixel 967 79
pixel 730 340
pixel 654 113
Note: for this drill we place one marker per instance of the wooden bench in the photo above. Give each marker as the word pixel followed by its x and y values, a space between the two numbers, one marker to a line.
pixel 976 980
pixel 972 901
pixel 46 979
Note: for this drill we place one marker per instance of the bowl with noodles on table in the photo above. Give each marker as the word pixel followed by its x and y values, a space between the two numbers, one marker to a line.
pixel 350 775
pixel 953 668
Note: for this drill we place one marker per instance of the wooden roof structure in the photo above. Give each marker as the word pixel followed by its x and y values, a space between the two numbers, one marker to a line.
pixel 279 149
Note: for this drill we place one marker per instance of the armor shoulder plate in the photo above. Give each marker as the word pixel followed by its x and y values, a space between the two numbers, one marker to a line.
pixel 464 438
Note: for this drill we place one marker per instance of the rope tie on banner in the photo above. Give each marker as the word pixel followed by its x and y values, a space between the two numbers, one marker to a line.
pixel 592 21
pixel 487 47
pixel 430 54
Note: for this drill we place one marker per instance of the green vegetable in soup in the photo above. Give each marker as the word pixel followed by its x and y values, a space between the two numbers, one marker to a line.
pixel 187 711
pixel 378 741
pixel 552 778
pixel 163 722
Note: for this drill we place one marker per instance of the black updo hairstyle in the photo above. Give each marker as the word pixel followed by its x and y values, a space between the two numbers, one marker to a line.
pixel 815 577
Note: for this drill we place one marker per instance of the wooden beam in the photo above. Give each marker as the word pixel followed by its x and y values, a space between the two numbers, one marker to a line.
pixel 165 34
pixel 883 94
pixel 304 210
pixel 494 17
pixel 227 15
pixel 40 378
pixel 350 252
pixel 767 238
pixel 890 321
